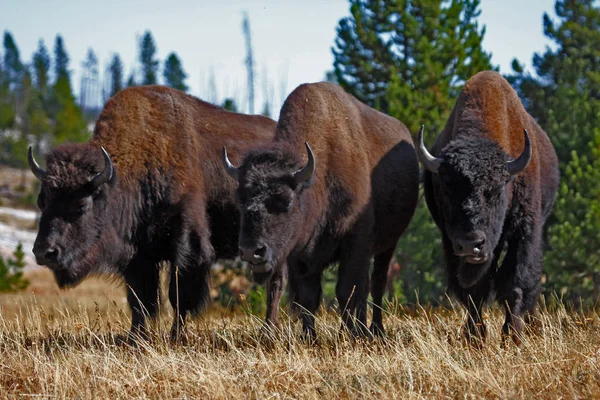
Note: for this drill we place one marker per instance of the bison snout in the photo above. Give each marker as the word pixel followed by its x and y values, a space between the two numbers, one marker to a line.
pixel 470 245
pixel 254 254
pixel 48 255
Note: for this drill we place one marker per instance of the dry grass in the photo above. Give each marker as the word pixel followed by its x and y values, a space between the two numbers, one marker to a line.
pixel 64 344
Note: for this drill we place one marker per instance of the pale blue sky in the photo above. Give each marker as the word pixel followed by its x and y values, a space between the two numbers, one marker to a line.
pixel 292 39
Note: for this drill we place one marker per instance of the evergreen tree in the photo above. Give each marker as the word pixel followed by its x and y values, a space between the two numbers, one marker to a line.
pixel 116 74
pixel 13 67
pixel 148 60
pixel 7 114
pixel 410 58
pixel 61 60
pixel 41 67
pixel 174 74
pixel 69 124
pixel 564 95
pixel 131 81
pixel 230 105
pixel 11 271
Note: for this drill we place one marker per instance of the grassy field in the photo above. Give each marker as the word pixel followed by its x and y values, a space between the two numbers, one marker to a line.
pixel 66 344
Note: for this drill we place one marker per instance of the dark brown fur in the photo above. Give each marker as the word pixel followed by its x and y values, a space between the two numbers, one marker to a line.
pixel 489 119
pixel 169 200
pixel 363 195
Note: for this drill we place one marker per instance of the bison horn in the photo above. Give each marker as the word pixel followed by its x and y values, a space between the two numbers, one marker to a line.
pixel 231 170
pixel 106 174
pixel 34 166
pixel 305 174
pixel 518 165
pixel 430 162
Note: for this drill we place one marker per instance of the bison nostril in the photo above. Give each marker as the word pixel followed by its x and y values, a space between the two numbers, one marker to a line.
pixel 52 254
pixel 260 251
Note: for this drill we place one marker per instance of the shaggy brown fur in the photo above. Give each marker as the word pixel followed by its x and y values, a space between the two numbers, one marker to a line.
pixel 169 199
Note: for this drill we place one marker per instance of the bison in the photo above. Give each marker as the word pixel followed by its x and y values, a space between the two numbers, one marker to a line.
pixel 147 189
pixel 339 183
pixel 490 182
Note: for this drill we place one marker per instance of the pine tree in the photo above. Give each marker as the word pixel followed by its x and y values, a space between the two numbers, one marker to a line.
pixel 174 74
pixel 69 124
pixel 564 95
pixel 41 67
pixel 61 60
pixel 230 105
pixel 7 113
pixel 410 58
pixel 11 271
pixel 116 74
pixel 13 67
pixel 148 60
pixel 131 81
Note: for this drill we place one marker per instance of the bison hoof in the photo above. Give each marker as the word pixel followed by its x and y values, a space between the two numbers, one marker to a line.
pixel 377 330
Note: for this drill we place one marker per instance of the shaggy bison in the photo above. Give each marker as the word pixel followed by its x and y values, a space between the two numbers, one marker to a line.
pixel 490 183
pixel 339 183
pixel 148 188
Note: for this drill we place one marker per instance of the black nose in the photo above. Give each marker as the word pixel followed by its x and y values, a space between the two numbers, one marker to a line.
pixel 46 256
pixel 470 244
pixel 253 254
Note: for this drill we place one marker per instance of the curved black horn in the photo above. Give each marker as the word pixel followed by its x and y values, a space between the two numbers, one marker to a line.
pixel 518 165
pixel 231 170
pixel 34 166
pixel 106 174
pixel 431 163
pixel 306 173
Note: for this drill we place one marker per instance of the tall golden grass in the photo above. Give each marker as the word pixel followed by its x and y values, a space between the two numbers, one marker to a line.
pixel 66 345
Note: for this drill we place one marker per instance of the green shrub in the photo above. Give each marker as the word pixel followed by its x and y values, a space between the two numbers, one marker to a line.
pixel 11 271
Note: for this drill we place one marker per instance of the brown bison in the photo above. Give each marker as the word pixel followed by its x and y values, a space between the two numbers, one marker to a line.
pixel 339 184
pixel 148 188
pixel 490 183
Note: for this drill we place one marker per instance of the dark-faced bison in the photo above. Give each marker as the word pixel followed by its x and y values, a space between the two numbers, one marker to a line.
pixel 490 183
pixel 148 188
pixel 339 183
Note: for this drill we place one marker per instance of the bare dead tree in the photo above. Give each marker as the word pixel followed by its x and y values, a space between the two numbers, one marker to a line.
pixel 249 61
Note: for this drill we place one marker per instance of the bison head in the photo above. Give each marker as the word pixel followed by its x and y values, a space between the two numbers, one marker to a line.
pixel 74 194
pixel 472 175
pixel 270 183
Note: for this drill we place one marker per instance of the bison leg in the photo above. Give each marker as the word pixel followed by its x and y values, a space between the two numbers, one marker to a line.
pixel 275 288
pixel 189 292
pixel 143 297
pixel 378 285
pixel 305 296
pixel 476 329
pixel 519 280
pixel 352 288
pixel 189 287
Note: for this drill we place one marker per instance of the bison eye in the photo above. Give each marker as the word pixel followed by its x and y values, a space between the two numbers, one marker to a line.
pixel 278 205
pixel 494 192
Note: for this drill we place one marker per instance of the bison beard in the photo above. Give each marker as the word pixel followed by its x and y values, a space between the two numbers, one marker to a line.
pixel 490 183
pixel 160 202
